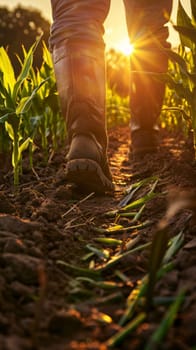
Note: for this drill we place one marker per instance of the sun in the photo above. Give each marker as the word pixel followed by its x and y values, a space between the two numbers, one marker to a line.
pixel 126 47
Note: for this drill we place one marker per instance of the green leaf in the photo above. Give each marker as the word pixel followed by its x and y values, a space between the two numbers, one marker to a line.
pixel 9 130
pixel 139 202
pixel 116 259
pixel 125 331
pixel 158 336
pixel 23 105
pixel 27 64
pixel 5 93
pixel 25 102
pixel 158 249
pixel 101 253
pixel 7 69
pixel 160 254
pixel 23 147
pixel 108 241
pixel 175 57
pixel 174 246
pixel 183 20
pixel 47 58
pixel 78 271
pixel 189 34
pixel 130 192
pixel 5 117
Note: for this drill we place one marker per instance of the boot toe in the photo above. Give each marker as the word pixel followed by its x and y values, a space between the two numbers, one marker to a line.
pixel 88 176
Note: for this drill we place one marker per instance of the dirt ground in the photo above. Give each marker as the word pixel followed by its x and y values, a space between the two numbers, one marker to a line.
pixel 43 303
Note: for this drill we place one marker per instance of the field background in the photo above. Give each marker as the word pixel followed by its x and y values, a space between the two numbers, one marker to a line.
pixel 85 272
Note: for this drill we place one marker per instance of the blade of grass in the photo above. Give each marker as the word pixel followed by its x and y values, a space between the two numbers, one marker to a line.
pixel 116 259
pixel 174 246
pixel 159 252
pixel 118 338
pixel 121 229
pixel 166 323
pixel 78 270
pixel 130 244
pixel 134 188
pixel 158 249
pixel 108 241
pixel 136 295
pixel 106 285
pixel 101 253
pixel 137 203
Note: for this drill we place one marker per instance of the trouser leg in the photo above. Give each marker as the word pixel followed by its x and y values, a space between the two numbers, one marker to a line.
pixel 78 55
pixel 146 27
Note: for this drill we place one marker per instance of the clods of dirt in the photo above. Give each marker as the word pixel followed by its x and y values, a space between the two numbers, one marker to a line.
pixel 47 234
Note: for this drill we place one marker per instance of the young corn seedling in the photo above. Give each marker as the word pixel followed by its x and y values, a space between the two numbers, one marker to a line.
pixel 50 126
pixel 160 252
pixel 182 79
pixel 161 332
pixel 16 104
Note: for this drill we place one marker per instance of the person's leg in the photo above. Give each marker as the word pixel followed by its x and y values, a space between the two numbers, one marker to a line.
pixel 78 56
pixel 147 31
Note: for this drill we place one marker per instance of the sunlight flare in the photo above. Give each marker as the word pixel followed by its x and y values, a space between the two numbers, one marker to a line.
pixel 126 47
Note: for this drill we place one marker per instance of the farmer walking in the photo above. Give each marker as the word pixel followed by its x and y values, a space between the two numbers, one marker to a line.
pixel 77 47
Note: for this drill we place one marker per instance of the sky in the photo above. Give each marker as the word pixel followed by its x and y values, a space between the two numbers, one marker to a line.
pixel 115 25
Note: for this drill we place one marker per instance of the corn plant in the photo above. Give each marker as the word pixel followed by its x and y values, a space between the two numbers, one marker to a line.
pixel 117 109
pixel 182 73
pixel 46 107
pixel 16 104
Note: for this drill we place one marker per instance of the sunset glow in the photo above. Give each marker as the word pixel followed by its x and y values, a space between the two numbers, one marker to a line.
pixel 126 47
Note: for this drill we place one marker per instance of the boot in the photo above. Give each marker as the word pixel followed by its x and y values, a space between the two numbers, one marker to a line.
pixel 80 75
pixel 146 99
pixel 147 31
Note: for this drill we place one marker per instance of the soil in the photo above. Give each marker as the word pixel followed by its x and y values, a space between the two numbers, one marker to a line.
pixel 45 304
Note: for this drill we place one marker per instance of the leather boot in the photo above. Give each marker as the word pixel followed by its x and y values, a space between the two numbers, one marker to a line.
pixel 147 31
pixel 146 99
pixel 80 75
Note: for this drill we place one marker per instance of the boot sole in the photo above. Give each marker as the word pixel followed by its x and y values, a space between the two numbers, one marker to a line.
pixel 88 176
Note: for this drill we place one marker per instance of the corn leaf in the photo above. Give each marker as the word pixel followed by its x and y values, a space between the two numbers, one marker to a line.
pixel 134 188
pixel 108 241
pixel 9 130
pixel 25 102
pixel 175 57
pixel 79 271
pixel 125 331
pixel 47 55
pixel 174 246
pixel 158 249
pixel 101 253
pixel 183 20
pixel 166 323
pixel 106 285
pixel 116 259
pixel 24 146
pixel 5 94
pixel 8 71
pixel 189 33
pixel 5 117
pixel 27 64
pixel 139 201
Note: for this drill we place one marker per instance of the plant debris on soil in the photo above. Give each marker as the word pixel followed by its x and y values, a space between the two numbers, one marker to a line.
pixel 65 277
